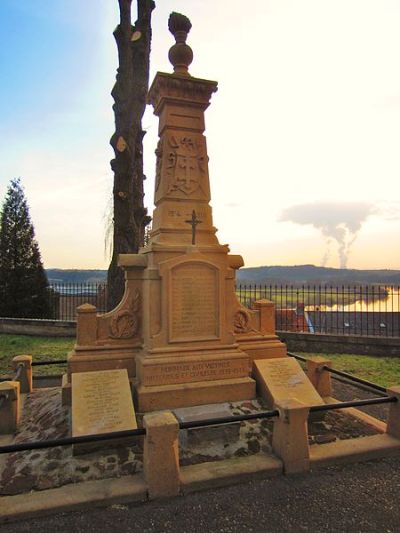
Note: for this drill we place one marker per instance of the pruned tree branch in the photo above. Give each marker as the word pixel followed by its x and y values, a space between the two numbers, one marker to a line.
pixel 129 93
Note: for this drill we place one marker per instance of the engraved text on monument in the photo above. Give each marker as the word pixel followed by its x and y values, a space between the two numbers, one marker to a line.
pixel 194 302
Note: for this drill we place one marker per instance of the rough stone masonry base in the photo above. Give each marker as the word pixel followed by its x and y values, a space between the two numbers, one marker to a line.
pixel 129 489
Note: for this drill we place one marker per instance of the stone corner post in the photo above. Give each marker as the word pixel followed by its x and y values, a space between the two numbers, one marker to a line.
pixel 161 454
pixel 290 436
pixel 9 406
pixel 266 309
pixel 25 378
pixel 393 423
pixel 86 328
pixel 319 377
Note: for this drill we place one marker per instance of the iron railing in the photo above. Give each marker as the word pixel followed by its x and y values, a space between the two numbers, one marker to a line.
pixel 66 441
pixel 66 297
pixel 340 310
pixel 16 376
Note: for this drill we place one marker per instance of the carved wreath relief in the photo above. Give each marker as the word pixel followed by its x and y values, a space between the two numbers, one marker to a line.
pixel 241 322
pixel 125 323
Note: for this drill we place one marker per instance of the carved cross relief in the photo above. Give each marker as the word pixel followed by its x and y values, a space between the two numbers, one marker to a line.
pixel 185 163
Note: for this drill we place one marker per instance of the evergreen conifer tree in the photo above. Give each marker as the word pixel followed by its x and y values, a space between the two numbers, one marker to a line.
pixel 23 280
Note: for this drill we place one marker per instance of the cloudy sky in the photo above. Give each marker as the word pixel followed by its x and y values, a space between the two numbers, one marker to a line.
pixel 303 134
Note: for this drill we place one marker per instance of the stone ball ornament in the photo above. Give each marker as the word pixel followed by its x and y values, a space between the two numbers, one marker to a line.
pixel 180 54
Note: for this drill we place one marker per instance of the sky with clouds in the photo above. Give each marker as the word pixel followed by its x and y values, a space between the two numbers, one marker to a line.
pixel 303 133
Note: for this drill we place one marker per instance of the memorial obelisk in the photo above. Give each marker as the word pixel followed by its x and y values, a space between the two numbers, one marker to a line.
pixel 180 329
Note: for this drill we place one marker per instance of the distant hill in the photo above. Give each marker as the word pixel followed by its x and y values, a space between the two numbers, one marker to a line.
pixel 58 275
pixel 307 274
pixel 310 274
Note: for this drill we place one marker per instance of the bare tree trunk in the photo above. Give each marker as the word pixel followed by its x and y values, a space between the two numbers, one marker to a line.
pixel 129 93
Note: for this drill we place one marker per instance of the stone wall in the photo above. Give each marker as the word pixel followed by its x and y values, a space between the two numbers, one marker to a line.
pixel 353 344
pixel 36 327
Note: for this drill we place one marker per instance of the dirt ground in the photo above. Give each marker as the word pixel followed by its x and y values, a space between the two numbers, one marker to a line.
pixel 45 418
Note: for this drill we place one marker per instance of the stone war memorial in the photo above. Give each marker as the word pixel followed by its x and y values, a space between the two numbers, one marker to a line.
pixel 180 387
pixel 180 330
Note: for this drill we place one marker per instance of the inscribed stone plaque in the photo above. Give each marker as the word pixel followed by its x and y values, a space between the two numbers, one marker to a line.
pixel 101 402
pixel 194 302
pixel 191 371
pixel 284 379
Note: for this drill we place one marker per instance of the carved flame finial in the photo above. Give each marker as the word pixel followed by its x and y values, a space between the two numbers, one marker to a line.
pixel 180 55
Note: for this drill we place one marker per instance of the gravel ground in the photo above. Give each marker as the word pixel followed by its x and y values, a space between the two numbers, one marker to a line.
pixel 346 392
pixel 353 498
pixel 44 418
pixel 359 498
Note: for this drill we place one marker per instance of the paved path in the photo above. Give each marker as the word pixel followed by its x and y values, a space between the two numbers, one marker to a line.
pixel 354 498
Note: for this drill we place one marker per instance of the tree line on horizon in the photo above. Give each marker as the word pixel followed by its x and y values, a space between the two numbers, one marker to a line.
pixel 24 283
pixel 305 274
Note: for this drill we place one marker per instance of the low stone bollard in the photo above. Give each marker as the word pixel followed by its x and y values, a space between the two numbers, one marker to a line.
pixel 290 436
pixel 319 377
pixel 86 324
pixel 9 406
pixel 161 454
pixel 266 309
pixel 393 423
pixel 25 377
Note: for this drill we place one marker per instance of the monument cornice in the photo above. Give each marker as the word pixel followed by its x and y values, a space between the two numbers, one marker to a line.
pixel 180 88
pixel 185 248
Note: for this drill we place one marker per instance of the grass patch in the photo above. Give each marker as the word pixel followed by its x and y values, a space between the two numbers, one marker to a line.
pixel 41 348
pixel 384 371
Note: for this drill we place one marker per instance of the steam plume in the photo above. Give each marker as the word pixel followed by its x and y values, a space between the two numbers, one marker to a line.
pixel 338 222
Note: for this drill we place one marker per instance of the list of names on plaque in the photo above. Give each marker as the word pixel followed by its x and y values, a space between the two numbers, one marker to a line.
pixel 283 378
pixel 101 402
pixel 194 302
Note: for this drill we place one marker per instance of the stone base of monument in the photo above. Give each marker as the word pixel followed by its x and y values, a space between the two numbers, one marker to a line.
pixel 190 394
pixel 89 358
pixel 188 378
pixel 223 434
pixel 261 346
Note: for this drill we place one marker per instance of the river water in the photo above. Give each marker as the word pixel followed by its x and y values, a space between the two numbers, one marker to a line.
pixel 390 304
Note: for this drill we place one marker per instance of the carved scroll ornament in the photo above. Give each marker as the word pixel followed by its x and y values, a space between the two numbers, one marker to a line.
pixel 125 323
